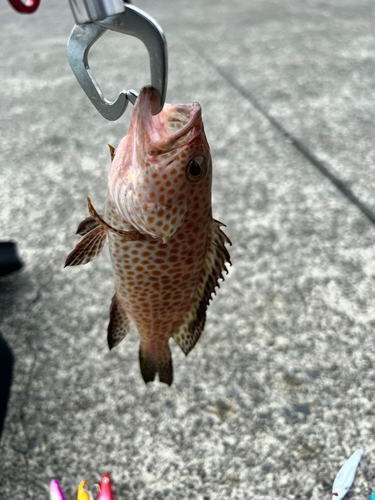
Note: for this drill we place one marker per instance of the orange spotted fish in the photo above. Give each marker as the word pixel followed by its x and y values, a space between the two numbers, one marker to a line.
pixel 167 251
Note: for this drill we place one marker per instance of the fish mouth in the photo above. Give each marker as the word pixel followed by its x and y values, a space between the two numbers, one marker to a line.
pixel 173 128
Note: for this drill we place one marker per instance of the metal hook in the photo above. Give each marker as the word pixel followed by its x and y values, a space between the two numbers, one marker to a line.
pixel 134 22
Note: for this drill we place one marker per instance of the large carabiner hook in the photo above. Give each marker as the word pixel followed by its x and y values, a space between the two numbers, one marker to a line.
pixel 134 22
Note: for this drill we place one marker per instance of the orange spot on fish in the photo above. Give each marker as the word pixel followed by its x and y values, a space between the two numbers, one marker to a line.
pixel 150 220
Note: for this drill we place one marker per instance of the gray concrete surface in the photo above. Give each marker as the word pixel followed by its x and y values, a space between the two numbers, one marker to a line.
pixel 280 389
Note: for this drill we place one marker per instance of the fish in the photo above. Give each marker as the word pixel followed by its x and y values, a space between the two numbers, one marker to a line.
pixel 55 492
pixel 345 476
pixel 83 493
pixel 105 489
pixel 167 251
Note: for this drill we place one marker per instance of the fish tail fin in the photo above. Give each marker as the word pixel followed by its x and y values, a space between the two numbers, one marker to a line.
pixel 119 323
pixel 160 363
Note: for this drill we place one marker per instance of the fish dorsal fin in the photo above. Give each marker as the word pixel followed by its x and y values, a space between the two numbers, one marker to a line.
pixel 217 256
pixel 119 323
pixel 88 247
pixel 112 151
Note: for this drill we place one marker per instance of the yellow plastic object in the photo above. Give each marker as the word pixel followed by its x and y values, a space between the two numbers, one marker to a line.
pixel 83 491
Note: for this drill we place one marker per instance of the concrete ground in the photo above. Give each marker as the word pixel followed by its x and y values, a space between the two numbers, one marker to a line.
pixel 279 391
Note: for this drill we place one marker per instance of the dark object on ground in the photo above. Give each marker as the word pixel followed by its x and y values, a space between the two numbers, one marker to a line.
pixel 6 368
pixel 9 260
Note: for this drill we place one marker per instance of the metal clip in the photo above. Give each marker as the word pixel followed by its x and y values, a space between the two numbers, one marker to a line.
pixel 134 22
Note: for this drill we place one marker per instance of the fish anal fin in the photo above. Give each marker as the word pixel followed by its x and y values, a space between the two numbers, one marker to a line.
pixel 88 248
pixel 119 323
pixel 153 363
pixel 87 225
pixel 191 327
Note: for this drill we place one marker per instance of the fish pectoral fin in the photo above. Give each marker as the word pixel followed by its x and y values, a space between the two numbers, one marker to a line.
pixel 88 247
pixel 153 363
pixel 130 234
pixel 217 256
pixel 119 323
pixel 87 225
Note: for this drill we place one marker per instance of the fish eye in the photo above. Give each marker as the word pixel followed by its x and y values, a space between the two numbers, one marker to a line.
pixel 196 169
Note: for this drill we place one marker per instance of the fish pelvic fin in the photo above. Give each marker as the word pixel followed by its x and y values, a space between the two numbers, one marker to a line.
pixel 119 323
pixel 88 247
pixel 217 257
pixel 161 363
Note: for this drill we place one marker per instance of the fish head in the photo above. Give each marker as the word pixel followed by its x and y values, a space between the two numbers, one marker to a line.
pixel 161 168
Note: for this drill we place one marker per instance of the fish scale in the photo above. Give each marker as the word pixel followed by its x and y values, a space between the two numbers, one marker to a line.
pixel 167 251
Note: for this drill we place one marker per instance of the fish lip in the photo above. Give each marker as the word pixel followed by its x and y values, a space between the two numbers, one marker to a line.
pixel 149 128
